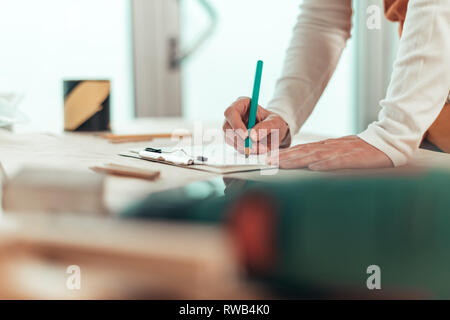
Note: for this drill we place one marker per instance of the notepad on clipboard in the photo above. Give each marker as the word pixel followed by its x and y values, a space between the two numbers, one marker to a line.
pixel 212 158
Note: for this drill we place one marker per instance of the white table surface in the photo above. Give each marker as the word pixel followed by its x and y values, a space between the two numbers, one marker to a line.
pixel 78 151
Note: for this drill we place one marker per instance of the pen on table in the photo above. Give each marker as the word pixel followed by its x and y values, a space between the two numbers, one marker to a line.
pixel 253 106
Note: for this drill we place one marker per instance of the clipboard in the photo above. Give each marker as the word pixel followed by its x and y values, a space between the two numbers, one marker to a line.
pixel 201 161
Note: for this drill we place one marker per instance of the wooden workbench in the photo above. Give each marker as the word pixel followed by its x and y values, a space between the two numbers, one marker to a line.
pixel 155 259
pixel 181 261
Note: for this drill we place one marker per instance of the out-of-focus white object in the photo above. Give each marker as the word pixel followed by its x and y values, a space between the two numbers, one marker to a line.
pixel 9 113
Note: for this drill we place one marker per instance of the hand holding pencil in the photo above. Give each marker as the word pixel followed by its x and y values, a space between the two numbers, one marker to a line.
pixel 248 127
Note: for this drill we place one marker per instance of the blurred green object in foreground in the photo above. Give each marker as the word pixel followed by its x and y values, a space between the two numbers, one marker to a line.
pixel 325 232
pixel 202 201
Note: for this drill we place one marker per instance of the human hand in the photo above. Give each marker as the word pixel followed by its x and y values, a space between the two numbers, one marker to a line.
pixel 262 134
pixel 344 153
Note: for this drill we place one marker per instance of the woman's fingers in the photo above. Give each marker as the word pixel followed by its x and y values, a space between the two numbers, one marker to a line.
pixel 235 116
pixel 269 128
pixel 233 139
pixel 272 125
pixel 343 153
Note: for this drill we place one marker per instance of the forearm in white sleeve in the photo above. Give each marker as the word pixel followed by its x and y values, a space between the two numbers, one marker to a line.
pixel 318 40
pixel 420 82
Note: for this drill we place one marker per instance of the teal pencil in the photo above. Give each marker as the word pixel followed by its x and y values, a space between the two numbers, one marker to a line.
pixel 253 106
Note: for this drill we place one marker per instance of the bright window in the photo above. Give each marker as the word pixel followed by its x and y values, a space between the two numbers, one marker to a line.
pixel 45 41
pixel 224 69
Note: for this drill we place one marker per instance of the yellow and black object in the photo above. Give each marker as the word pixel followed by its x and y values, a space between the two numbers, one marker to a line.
pixel 87 105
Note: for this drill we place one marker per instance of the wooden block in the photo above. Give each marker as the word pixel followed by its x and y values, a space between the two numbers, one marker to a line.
pixel 83 102
pixel 124 138
pixel 116 169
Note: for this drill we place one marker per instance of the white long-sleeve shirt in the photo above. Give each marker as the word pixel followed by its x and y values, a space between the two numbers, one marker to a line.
pixel 420 81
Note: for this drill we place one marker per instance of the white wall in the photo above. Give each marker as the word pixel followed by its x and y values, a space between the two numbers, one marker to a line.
pixel 44 41
pixel 224 69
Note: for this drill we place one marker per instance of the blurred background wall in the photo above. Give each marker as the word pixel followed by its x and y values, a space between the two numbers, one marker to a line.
pixel 46 41
pixel 43 42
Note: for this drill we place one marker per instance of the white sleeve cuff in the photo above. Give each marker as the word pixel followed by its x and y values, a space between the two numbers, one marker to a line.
pixel 374 137
pixel 281 108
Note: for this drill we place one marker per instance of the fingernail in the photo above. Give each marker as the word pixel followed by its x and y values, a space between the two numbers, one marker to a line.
pixel 254 135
